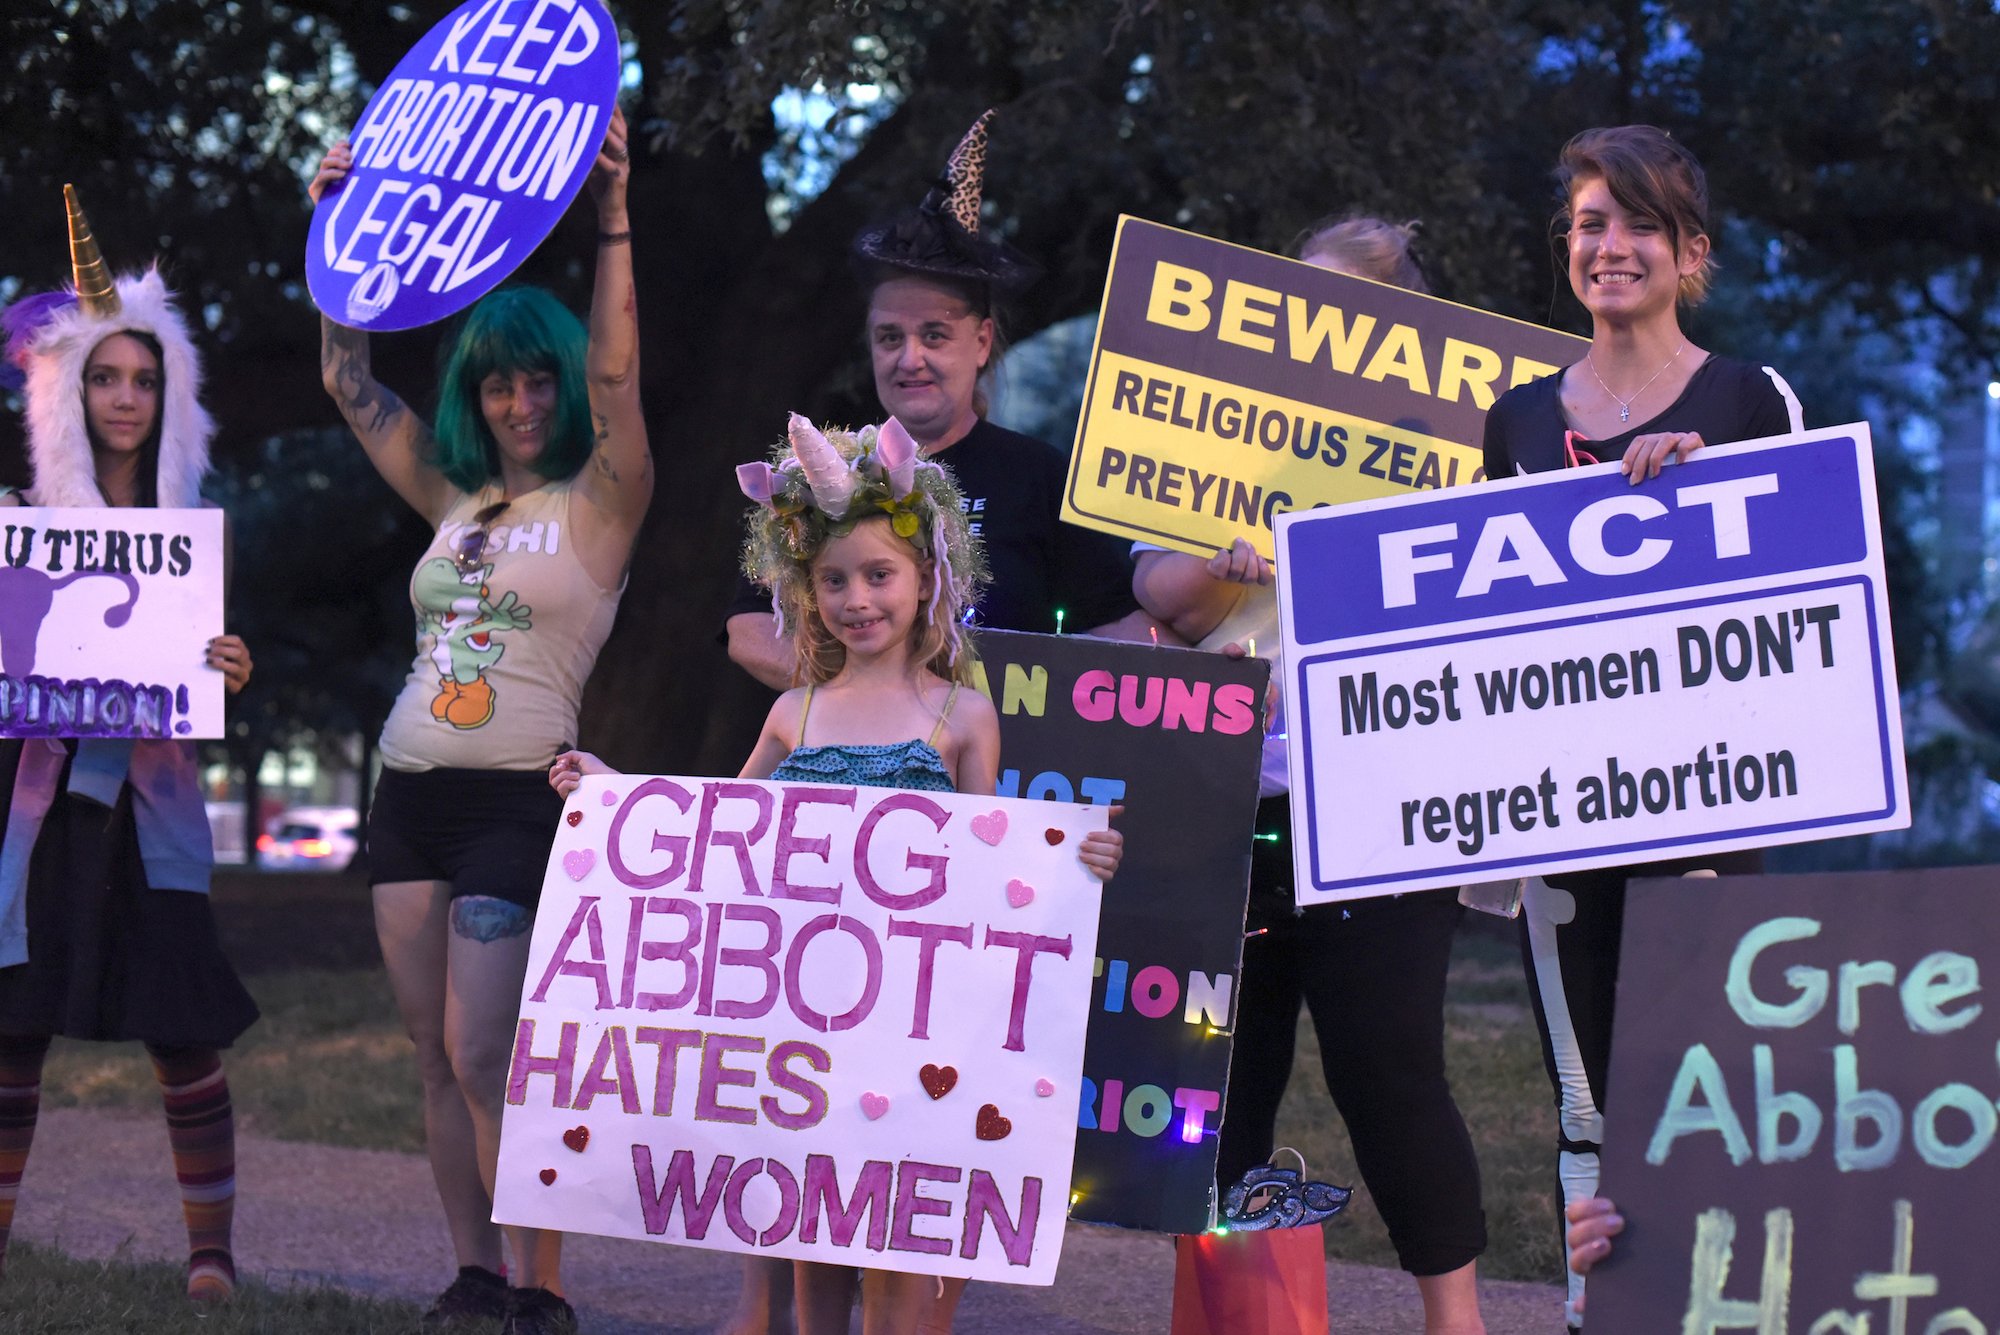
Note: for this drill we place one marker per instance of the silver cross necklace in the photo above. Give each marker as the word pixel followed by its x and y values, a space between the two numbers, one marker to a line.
pixel 1625 405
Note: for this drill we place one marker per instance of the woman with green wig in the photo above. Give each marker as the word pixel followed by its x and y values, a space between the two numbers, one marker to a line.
pixel 535 475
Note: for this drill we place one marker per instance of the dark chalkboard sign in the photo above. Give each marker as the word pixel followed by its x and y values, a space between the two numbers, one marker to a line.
pixel 1175 735
pixel 1801 1124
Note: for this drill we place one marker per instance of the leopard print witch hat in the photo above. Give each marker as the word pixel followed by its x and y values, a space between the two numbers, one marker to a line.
pixel 942 235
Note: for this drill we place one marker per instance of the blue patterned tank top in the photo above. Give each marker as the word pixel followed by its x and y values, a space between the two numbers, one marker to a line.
pixel 912 764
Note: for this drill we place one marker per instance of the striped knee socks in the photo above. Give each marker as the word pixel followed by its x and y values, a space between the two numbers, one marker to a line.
pixel 20 1103
pixel 201 1128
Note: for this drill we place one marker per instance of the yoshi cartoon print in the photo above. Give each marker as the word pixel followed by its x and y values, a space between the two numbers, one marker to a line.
pixel 463 621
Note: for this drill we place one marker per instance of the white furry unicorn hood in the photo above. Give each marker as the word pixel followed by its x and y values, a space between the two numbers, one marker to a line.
pixel 54 353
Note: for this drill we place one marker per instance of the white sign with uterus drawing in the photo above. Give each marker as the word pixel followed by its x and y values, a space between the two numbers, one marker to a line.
pixel 105 618
pixel 813 1021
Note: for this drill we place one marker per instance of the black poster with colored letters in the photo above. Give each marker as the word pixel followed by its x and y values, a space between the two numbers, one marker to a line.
pixel 1800 1127
pixel 1175 735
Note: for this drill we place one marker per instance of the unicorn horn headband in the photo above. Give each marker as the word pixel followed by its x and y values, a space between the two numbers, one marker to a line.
pixel 94 288
pixel 826 472
pixel 831 478
pixel 896 451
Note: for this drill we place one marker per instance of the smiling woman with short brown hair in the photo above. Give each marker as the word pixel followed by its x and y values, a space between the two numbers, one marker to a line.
pixel 1633 216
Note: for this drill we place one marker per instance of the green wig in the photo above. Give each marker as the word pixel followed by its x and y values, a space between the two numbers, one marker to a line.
pixel 514 329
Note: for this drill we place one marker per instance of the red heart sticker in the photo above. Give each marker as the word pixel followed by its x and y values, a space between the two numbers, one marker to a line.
pixel 938 1081
pixel 575 818
pixel 1053 836
pixel 991 1125
pixel 577 1137
pixel 548 1177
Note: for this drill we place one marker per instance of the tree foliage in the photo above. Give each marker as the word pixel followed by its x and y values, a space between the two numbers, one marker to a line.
pixel 1852 142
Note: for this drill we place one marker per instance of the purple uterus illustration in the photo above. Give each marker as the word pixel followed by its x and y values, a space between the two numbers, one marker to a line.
pixel 25 599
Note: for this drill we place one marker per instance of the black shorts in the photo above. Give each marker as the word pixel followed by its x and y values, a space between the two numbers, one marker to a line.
pixel 487 831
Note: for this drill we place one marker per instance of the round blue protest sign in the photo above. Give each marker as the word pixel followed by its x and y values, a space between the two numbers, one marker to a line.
pixel 464 160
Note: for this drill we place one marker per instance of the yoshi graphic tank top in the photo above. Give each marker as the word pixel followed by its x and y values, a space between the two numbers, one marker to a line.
pixel 508 626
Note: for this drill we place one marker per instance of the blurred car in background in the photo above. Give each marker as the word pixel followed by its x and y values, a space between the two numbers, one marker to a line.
pixel 309 839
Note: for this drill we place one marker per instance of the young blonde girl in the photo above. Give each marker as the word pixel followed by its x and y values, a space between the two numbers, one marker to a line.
pixel 872 565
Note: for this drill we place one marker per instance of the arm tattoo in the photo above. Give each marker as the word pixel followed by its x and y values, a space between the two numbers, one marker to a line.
pixel 603 452
pixel 358 397
pixel 368 406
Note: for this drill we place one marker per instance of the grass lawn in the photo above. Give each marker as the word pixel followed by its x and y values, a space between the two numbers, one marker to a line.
pixel 47 1293
pixel 329 1063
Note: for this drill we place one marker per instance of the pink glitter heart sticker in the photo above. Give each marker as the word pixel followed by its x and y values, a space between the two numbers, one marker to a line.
pixel 578 862
pixel 990 827
pixel 1020 894
pixel 609 798
pixel 1044 1087
pixel 873 1105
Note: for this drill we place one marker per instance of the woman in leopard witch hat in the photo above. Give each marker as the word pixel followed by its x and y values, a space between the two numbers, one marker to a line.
pixel 105 929
pixel 935 278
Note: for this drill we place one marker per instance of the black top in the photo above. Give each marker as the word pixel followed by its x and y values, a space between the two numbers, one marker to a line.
pixel 1013 496
pixel 1725 400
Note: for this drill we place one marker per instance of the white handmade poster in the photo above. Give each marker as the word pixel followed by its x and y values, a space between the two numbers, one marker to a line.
pixel 829 1023
pixel 105 619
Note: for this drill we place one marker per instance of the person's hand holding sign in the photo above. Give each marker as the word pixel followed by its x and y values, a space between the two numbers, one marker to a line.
pixel 333 169
pixel 608 178
pixel 1239 563
pixel 228 655
pixel 1646 455
pixel 1593 1223
pixel 570 768
pixel 1103 850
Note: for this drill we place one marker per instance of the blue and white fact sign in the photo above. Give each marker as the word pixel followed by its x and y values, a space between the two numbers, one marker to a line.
pixel 1566 671
pixel 463 160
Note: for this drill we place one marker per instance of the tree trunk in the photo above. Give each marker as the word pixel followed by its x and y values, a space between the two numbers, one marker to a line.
pixel 364 795
pixel 253 799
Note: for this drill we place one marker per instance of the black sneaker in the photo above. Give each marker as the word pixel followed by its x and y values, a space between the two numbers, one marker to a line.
pixel 476 1295
pixel 537 1312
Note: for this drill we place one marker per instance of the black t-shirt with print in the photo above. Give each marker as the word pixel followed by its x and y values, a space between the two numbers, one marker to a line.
pixel 1012 486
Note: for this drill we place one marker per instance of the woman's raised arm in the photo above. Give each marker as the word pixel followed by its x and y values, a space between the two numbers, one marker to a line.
pixel 398 441
pixel 618 480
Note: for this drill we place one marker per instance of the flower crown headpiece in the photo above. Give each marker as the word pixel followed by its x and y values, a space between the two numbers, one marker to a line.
pixel 820 484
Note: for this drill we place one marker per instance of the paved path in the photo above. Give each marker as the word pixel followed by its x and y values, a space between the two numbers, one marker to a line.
pixel 367 1220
